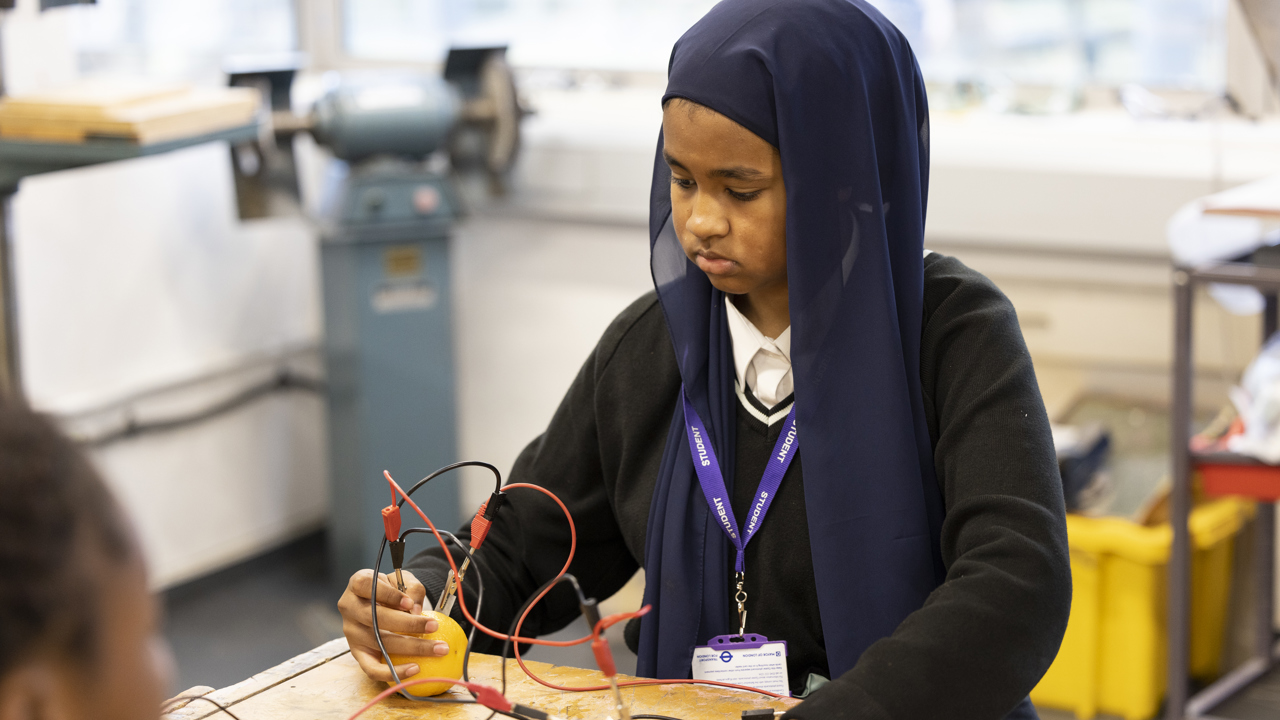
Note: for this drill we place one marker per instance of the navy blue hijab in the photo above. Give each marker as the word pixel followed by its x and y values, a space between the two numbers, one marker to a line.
pixel 835 87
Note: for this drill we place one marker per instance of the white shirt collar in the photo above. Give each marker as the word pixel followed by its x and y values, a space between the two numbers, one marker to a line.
pixel 760 363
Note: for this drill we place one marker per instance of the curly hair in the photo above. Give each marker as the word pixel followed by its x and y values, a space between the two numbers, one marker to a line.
pixel 58 521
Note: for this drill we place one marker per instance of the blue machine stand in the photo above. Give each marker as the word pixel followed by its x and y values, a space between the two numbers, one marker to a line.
pixel 389 350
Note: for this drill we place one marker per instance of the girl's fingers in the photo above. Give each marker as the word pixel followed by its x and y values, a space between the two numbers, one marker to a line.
pixel 359 634
pixel 373 666
pixel 399 619
pixel 414 588
pixel 361 585
pixel 417 647
pixel 392 620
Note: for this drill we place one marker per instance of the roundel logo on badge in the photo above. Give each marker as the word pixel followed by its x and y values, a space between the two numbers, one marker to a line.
pixel 750 659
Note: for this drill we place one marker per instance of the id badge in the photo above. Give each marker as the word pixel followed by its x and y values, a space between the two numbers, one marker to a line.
pixel 749 659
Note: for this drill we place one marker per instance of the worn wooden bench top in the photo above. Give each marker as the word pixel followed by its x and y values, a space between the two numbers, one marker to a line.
pixel 326 684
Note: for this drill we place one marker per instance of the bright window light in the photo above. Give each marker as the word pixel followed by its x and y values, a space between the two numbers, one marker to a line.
pixel 177 39
pixel 1160 43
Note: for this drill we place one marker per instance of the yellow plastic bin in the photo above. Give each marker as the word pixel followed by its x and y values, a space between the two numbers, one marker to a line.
pixel 1113 657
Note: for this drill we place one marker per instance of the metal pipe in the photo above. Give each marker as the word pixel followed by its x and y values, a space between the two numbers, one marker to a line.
pixel 258 365
pixel 1265 537
pixel 1180 500
pixel 1225 687
pixel 1263 278
pixel 1264 573
pixel 10 366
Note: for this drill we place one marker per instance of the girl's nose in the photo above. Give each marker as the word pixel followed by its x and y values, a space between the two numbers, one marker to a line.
pixel 706 218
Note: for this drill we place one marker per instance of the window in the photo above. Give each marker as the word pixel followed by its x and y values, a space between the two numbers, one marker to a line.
pixel 177 39
pixel 1178 44
pixel 631 35
pixel 1161 43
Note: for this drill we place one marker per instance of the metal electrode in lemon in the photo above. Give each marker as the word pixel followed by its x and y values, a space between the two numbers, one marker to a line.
pixel 447 666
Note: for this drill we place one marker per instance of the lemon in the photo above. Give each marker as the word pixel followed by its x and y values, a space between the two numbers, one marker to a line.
pixel 449 666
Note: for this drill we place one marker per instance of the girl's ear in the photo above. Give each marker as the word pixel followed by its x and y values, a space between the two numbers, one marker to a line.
pixel 36 690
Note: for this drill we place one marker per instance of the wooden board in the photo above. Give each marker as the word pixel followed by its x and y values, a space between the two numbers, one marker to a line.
pixel 326 684
pixel 138 114
pixel 87 101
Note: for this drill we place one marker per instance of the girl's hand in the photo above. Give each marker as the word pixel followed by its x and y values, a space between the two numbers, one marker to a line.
pixel 399 615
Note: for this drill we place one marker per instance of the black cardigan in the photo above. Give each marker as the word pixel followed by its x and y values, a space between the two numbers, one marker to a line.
pixel 982 639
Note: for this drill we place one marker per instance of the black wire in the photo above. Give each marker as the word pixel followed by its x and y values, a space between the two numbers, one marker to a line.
pixel 506 643
pixel 497 476
pixel 382 546
pixel 177 700
pixel 471 637
pixel 511 629
pixel 377 635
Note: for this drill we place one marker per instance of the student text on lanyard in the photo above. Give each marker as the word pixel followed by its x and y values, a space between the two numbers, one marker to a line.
pixel 712 480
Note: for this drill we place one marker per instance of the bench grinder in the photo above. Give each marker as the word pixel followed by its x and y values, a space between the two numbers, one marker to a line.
pixel 385 267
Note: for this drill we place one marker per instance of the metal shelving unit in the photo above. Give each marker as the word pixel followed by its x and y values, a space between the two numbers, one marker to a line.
pixel 20 159
pixel 1179 705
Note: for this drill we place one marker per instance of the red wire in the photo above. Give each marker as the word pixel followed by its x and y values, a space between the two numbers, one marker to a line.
pixel 516 639
pixel 604 624
pixel 410 683
pixel 466 612
pixel 573 549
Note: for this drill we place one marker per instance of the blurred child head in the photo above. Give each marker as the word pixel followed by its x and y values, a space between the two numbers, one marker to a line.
pixel 78 626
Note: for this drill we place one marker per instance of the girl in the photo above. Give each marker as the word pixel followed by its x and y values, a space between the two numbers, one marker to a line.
pixel 78 626
pixel 918 559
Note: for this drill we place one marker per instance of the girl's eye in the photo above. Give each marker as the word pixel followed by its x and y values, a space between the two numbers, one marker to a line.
pixel 744 196
pixel 681 182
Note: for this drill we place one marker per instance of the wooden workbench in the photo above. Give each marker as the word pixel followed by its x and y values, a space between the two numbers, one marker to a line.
pixel 326 684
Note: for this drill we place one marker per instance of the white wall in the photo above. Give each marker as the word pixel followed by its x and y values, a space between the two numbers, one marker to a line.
pixel 1066 213
pixel 138 276
pixel 35 49
pixel 532 299
pixel 1100 182
pixel 149 264
pixel 206 497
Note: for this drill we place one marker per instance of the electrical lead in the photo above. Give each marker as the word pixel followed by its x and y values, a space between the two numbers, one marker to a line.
pixel 397 562
pixel 604 655
pixel 480 525
pixel 391 523
pixel 444 605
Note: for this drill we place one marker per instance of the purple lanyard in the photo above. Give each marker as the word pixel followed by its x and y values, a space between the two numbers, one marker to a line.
pixel 712 480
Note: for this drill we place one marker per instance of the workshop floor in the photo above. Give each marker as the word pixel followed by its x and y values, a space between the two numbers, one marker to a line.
pixel 237 622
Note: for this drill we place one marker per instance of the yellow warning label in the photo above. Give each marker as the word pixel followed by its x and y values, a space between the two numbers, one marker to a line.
pixel 402 261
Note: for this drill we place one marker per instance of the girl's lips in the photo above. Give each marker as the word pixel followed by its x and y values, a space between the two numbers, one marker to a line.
pixel 713 264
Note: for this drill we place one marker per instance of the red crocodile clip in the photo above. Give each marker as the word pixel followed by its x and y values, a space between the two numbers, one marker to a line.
pixel 480 527
pixel 490 697
pixel 604 657
pixel 391 521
